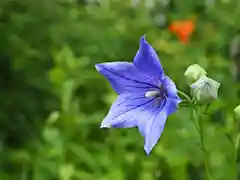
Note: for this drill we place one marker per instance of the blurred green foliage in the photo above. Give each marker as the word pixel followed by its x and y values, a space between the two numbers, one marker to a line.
pixel 53 100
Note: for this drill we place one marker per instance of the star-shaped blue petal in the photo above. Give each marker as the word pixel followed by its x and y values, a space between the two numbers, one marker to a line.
pixel 146 59
pixel 146 95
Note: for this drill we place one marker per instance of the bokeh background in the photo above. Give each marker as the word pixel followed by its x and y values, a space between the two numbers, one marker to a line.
pixel 52 100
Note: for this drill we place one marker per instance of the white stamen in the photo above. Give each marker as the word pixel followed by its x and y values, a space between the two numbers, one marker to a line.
pixel 151 93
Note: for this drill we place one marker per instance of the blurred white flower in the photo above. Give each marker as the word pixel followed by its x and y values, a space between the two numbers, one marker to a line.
pixel 160 20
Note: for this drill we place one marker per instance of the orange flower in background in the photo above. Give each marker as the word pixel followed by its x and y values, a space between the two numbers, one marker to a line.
pixel 183 29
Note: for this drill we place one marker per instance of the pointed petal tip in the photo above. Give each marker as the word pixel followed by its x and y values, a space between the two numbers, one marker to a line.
pixel 105 126
pixel 144 46
pixel 98 67
pixel 143 39
pixel 179 100
pixel 147 151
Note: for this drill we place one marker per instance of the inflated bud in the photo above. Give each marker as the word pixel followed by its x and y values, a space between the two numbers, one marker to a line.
pixel 193 73
pixel 205 89
pixel 236 113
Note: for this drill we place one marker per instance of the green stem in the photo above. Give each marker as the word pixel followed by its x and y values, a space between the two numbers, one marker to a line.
pixel 235 144
pixel 229 137
pixel 235 154
pixel 236 148
pixel 199 126
pixel 185 96
pixel 206 164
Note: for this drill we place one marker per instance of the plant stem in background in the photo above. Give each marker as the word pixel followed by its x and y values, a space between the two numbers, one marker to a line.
pixel 234 139
pixel 199 126
pixel 236 145
pixel 197 119
pixel 235 155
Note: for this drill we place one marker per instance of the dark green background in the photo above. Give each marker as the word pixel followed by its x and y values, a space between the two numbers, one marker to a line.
pixel 52 100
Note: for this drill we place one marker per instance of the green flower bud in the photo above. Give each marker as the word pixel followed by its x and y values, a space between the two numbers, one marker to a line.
pixel 205 89
pixel 236 113
pixel 193 73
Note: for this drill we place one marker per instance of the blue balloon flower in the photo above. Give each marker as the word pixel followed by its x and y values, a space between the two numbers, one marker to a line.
pixel 146 95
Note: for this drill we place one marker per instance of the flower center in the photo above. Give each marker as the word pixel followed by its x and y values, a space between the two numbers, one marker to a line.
pixel 159 95
pixel 152 93
pixel 161 92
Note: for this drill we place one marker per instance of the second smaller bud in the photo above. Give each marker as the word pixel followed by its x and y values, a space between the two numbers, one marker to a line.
pixel 193 73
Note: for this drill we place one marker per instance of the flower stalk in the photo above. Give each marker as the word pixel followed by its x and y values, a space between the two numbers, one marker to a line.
pixel 184 95
pixel 235 145
pixel 198 121
pixel 234 139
